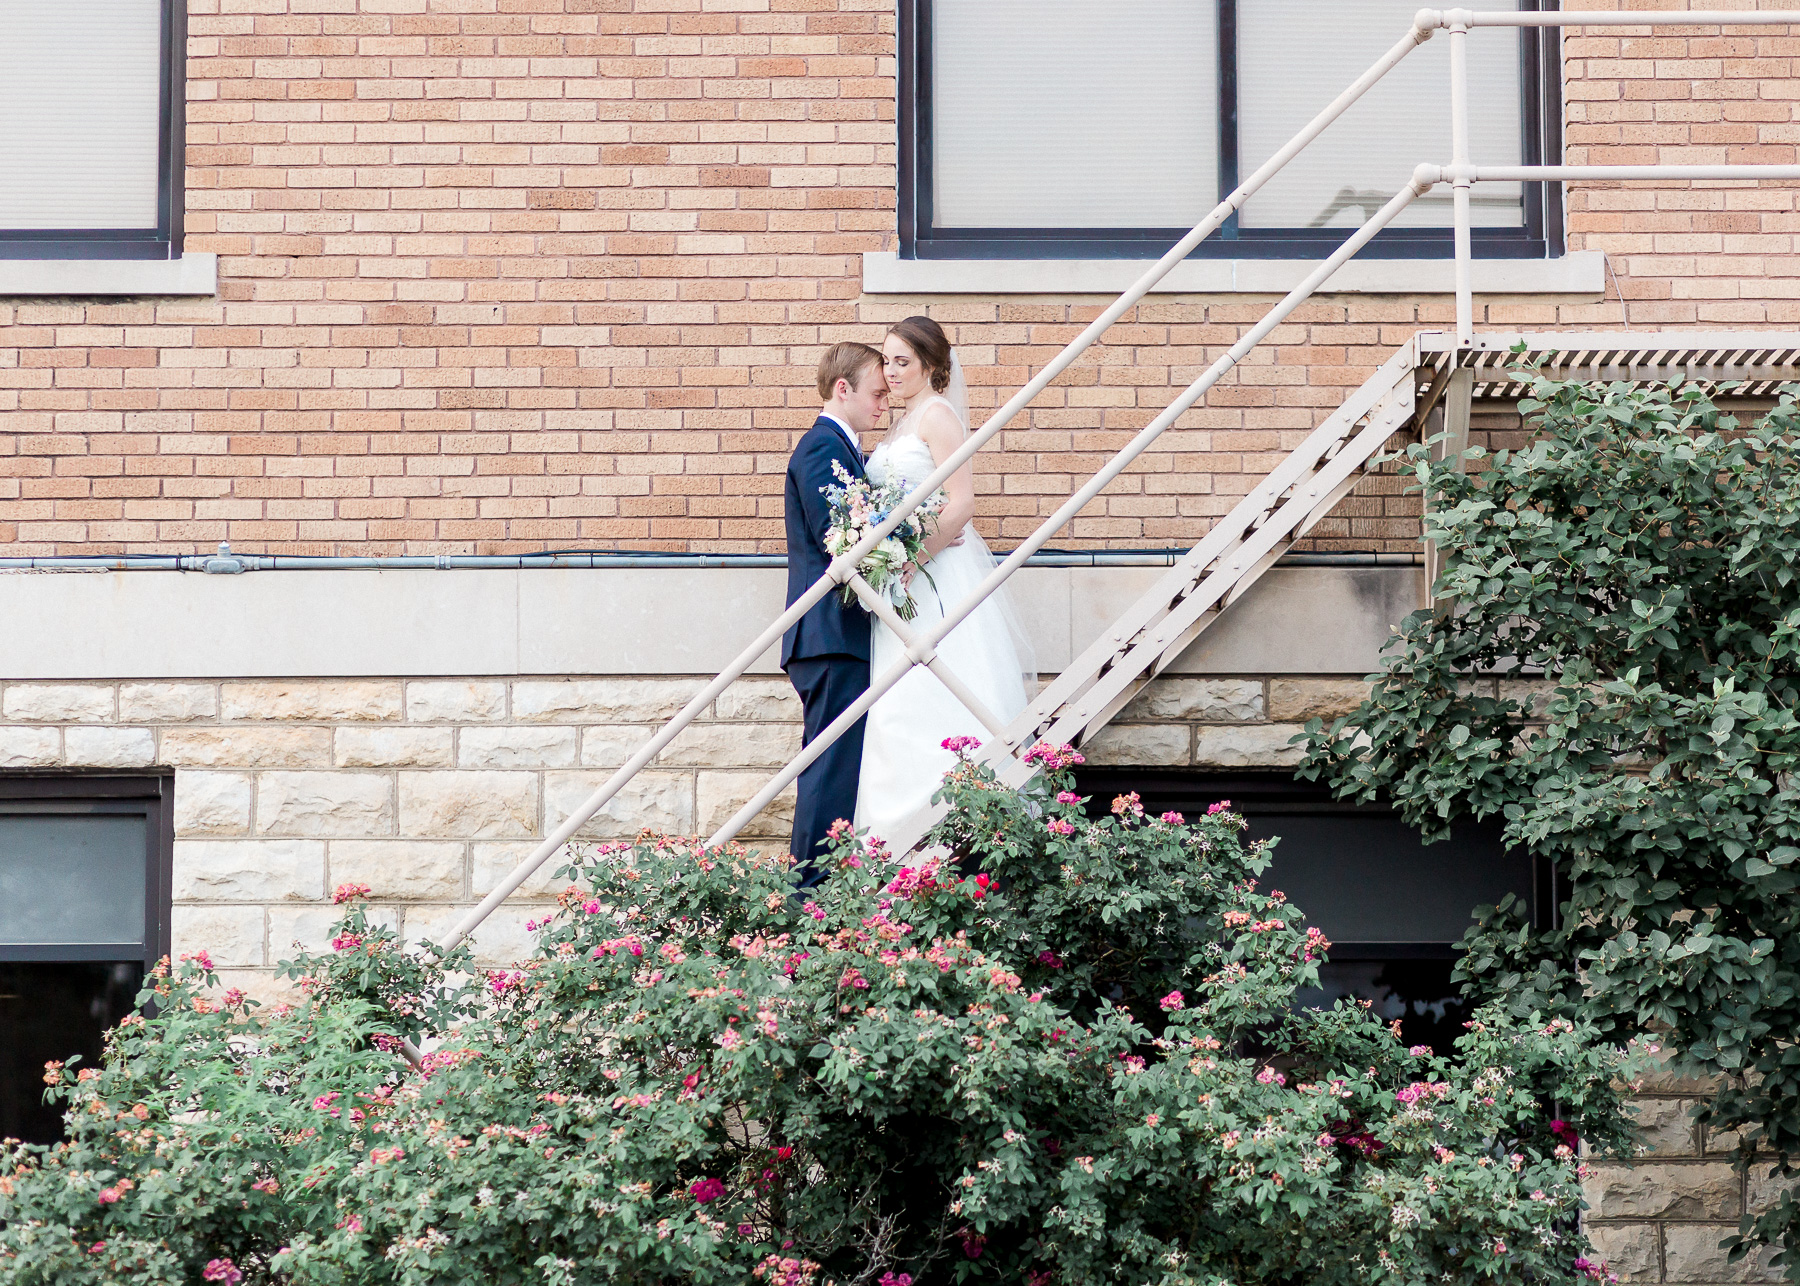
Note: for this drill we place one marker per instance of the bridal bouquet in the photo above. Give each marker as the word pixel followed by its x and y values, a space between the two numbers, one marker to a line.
pixel 858 506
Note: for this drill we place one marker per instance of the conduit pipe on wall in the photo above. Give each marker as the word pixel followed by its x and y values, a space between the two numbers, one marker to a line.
pixel 209 563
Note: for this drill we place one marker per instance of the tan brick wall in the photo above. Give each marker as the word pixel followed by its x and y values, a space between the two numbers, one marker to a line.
pixel 502 276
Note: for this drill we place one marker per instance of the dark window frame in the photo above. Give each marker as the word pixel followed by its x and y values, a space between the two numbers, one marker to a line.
pixel 149 794
pixel 165 239
pixel 1541 124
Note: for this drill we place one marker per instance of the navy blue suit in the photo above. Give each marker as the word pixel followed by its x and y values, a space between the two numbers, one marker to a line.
pixel 825 653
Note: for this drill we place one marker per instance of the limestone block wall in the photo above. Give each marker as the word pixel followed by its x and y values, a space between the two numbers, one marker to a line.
pixel 427 790
pixel 1662 1217
pixel 430 789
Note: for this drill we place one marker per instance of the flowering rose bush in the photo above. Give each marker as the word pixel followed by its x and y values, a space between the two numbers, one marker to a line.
pixel 1057 1051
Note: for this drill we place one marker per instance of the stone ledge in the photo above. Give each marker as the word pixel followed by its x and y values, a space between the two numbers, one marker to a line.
pixel 191 274
pixel 884 272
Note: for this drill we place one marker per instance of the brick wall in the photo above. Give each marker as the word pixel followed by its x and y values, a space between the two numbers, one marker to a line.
pixel 521 274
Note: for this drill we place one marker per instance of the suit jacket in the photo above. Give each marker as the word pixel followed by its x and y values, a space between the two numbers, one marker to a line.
pixel 832 627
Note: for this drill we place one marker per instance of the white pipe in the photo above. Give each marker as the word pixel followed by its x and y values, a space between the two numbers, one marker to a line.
pixel 1459 163
pixel 1530 173
pixel 1423 179
pixel 1629 18
pixel 845 564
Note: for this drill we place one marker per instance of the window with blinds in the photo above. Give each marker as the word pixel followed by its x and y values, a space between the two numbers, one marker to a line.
pixel 1367 155
pixel 1032 128
pixel 89 129
pixel 1068 113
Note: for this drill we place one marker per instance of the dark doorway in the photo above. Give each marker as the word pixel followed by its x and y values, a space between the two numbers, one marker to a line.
pixel 1394 908
pixel 54 1011
pixel 84 913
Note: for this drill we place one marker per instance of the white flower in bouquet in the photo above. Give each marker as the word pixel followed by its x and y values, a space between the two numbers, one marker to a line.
pixel 858 506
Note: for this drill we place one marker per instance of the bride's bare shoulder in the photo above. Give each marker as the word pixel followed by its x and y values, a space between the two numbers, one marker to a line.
pixel 937 419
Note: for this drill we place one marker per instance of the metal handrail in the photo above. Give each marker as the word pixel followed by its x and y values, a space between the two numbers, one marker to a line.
pixel 844 566
pixel 1461 174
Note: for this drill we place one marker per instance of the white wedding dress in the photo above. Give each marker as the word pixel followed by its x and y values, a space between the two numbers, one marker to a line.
pixel 903 759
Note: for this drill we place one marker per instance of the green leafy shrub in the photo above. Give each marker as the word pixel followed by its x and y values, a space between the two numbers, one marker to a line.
pixel 1028 1064
pixel 1637 564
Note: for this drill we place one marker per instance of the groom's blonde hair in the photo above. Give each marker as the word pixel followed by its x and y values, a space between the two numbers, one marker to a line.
pixel 846 361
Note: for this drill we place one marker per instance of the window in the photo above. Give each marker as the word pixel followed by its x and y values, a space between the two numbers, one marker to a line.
pixel 1393 908
pixel 84 912
pixel 1108 128
pixel 91 111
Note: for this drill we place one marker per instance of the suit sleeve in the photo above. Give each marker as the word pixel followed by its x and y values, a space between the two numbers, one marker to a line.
pixel 812 473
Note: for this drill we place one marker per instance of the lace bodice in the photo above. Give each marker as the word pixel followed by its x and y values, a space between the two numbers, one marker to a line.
pixel 907 458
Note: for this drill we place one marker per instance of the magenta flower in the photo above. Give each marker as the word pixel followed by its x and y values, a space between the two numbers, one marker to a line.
pixel 960 744
pixel 1059 827
pixel 1048 957
pixel 1055 758
pixel 1420 1051
pixel 705 1190
pixel 222 1270
pixel 1171 1002
pixel 1219 807
pixel 345 893
pixel 592 908
pixel 1421 1090
pixel 1067 797
pixel 1173 819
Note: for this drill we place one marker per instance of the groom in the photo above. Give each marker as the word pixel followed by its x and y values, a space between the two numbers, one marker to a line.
pixel 826 653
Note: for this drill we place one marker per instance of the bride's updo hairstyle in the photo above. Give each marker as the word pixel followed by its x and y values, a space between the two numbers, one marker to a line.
pixel 926 338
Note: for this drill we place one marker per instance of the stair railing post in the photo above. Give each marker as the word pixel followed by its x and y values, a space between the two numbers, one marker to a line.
pixel 1457 20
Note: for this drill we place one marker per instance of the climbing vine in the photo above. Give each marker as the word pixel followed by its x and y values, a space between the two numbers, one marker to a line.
pixel 1617 678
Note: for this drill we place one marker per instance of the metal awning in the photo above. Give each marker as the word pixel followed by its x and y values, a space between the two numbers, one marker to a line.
pixel 1762 360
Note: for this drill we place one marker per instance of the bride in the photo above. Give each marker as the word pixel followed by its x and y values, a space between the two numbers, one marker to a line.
pixel 903 757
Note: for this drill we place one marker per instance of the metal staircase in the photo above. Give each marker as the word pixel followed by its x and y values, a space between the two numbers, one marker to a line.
pixel 1432 372
pixel 1432 369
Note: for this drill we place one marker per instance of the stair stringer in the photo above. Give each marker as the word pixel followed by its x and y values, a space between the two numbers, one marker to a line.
pixel 1161 624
